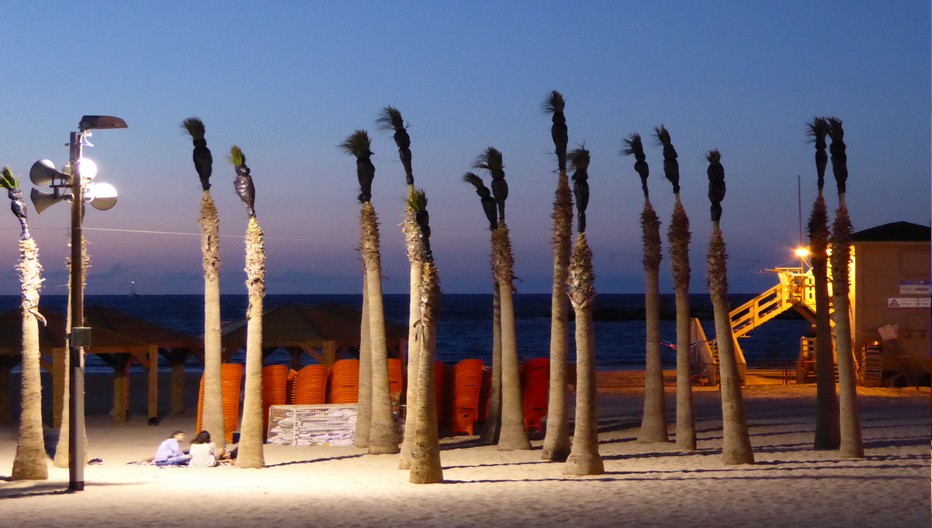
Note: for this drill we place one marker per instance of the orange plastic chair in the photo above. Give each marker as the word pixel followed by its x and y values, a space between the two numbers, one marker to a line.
pixel 231 380
pixel 535 385
pixel 310 386
pixel 467 382
pixel 274 389
pixel 344 382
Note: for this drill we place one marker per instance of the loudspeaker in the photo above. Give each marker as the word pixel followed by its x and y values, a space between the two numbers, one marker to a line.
pixel 42 200
pixel 43 172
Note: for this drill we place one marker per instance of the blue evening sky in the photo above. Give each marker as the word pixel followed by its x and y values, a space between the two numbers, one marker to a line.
pixel 287 81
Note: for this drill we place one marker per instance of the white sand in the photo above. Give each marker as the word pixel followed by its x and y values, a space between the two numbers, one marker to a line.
pixel 644 484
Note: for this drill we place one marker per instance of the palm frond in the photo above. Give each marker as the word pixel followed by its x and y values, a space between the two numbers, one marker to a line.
pixel 474 180
pixel 417 200
pixel 490 159
pixel 817 129
pixel 714 156
pixel 357 144
pixel 390 119
pixel 194 126
pixel 662 136
pixel 632 145
pixel 579 158
pixel 8 180
pixel 236 157
pixel 554 102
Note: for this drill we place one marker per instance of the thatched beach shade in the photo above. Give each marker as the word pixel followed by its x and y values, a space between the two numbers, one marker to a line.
pixel 325 331
pixel 52 346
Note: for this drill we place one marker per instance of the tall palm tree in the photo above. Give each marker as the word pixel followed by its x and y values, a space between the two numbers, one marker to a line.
pixel 557 439
pixel 513 435
pixel 849 421
pixel 827 434
pixel 250 448
pixel 381 428
pixel 491 429
pixel 425 446
pixel 736 442
pixel 653 254
pixel 212 419
pixel 390 119
pixel 584 457
pixel 30 462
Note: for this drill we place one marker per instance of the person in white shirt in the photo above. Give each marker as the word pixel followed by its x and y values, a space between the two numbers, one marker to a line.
pixel 203 451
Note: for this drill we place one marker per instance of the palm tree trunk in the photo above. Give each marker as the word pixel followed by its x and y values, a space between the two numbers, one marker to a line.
pixel 250 449
pixel 736 442
pixel 654 420
pixel 827 434
pixel 492 428
pixel 415 348
pixel 849 421
pixel 364 399
pixel 425 452
pixel 212 419
pixel 513 434
pixel 557 440
pixel 30 462
pixel 584 458
pixel 679 237
pixel 382 428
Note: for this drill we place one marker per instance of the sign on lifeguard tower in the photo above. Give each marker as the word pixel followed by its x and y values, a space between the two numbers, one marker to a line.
pixel 908 302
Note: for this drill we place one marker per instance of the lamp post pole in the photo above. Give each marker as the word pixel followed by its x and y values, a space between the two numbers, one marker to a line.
pixel 78 332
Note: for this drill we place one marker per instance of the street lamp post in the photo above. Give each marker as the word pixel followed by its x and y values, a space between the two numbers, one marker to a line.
pixel 43 172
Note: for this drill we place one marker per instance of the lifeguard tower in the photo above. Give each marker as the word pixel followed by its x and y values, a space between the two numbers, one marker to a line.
pixel 890 310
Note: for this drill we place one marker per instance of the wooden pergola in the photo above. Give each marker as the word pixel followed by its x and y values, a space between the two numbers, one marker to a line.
pixel 116 338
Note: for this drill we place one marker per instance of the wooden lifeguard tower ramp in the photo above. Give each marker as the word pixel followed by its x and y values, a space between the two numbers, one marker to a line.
pixel 795 289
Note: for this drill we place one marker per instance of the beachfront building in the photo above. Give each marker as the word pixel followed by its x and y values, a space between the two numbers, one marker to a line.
pixel 890 291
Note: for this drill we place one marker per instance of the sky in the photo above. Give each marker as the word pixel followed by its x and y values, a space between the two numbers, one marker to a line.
pixel 288 81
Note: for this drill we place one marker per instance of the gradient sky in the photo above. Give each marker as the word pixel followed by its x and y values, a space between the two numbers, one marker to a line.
pixel 288 81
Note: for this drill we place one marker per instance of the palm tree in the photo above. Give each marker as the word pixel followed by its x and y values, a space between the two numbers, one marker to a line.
pixel 512 435
pixel 584 457
pixel 30 462
pixel 736 442
pixel 425 446
pixel 382 428
pixel 557 440
pixel 849 422
pixel 212 419
pixel 827 434
pixel 491 429
pixel 390 119
pixel 250 448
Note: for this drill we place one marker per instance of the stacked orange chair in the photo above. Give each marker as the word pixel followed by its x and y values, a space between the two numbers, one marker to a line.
pixel 467 382
pixel 344 381
pixel 535 385
pixel 231 380
pixel 395 377
pixel 289 390
pixel 310 386
pixel 274 389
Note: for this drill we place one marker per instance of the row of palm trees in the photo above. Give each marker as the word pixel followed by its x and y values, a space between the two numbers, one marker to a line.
pixel 573 286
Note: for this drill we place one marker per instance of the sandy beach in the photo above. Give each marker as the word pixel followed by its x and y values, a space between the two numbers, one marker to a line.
pixel 644 484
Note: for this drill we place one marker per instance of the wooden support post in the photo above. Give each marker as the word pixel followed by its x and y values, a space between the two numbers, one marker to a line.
pixel 120 387
pixel 177 386
pixel 153 382
pixel 58 385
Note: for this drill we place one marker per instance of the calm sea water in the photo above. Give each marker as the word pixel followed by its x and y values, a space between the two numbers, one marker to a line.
pixel 465 324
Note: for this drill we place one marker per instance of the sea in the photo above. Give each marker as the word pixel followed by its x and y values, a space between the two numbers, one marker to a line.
pixel 465 324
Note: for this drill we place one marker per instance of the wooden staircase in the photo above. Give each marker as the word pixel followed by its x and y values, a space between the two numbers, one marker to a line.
pixel 796 289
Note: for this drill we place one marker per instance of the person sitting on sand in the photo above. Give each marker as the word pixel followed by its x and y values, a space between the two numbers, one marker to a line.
pixel 169 452
pixel 203 451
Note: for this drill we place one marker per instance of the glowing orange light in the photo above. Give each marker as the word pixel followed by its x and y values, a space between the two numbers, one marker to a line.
pixel 802 252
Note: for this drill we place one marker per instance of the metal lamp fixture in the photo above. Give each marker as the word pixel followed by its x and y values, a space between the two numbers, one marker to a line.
pixel 75 183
